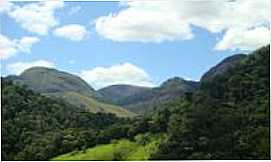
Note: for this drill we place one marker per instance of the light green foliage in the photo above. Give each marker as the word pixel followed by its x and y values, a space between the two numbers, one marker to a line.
pixel 118 150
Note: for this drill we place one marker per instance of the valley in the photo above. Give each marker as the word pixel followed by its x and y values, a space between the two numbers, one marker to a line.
pixel 49 114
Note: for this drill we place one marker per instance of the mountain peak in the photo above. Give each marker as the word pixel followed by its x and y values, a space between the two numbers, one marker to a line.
pixel 49 80
pixel 114 93
pixel 177 83
pixel 223 66
pixel 173 81
pixel 38 68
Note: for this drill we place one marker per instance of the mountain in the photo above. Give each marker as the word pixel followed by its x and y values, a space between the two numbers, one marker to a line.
pixel 46 80
pixel 116 93
pixel 228 118
pixel 225 117
pixel 178 84
pixel 145 101
pixel 68 87
pixel 222 67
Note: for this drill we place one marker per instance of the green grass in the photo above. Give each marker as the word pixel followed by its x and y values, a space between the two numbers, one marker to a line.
pixel 117 150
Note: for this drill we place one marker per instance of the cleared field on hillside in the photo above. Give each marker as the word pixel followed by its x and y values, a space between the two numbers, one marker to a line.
pixel 123 149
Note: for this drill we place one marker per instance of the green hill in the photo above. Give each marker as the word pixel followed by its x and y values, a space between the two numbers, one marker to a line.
pixel 222 66
pixel 90 104
pixel 228 118
pixel 36 127
pixel 68 87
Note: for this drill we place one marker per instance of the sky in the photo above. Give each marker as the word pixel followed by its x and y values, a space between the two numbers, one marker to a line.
pixel 133 42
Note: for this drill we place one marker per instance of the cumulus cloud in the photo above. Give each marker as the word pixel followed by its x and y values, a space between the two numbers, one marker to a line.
pixel 125 73
pixel 157 21
pixel 18 67
pixel 36 17
pixel 5 6
pixel 26 43
pixel 9 48
pixel 144 22
pixel 73 32
pixel 244 39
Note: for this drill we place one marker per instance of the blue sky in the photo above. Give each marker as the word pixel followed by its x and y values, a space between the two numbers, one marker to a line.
pixel 127 43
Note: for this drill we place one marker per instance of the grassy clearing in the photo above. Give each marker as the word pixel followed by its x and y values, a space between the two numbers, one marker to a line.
pixel 123 149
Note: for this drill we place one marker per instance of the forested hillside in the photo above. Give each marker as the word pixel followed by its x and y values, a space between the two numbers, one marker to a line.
pixel 36 127
pixel 222 67
pixel 226 117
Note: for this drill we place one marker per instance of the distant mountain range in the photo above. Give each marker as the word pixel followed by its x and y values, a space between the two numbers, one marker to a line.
pixel 143 100
pixel 68 87
pixel 116 93
pixel 122 100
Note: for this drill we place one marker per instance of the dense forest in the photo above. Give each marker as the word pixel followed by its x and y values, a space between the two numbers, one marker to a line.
pixel 35 127
pixel 227 117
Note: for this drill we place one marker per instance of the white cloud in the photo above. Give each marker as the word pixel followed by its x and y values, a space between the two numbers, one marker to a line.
pixel 125 73
pixel 5 6
pixel 244 39
pixel 18 67
pixel 25 44
pixel 217 16
pixel 36 17
pixel 9 48
pixel 143 22
pixel 157 21
pixel 73 32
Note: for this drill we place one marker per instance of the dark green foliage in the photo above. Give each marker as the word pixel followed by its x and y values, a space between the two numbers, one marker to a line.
pixel 35 127
pixel 227 119
pixel 222 67
pixel 160 120
pixel 114 132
